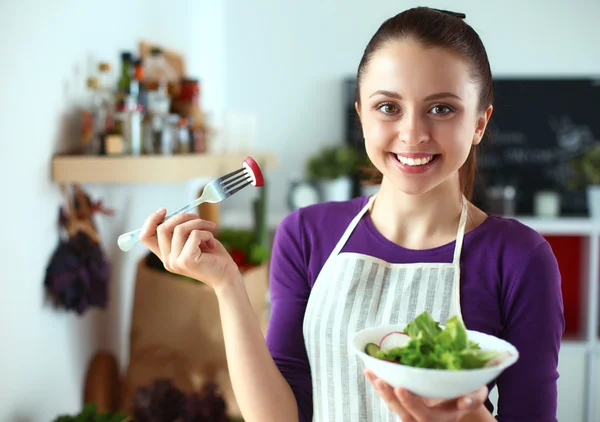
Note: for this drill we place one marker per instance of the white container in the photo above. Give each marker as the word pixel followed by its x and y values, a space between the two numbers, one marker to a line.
pixel 339 189
pixel 546 204
pixel 432 383
pixel 593 200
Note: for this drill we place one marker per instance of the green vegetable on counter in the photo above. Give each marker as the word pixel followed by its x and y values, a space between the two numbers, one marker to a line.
pixel 89 413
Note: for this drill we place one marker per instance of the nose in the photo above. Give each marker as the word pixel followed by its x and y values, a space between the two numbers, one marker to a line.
pixel 413 130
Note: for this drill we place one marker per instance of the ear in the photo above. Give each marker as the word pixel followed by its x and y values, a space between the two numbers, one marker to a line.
pixel 482 122
pixel 357 108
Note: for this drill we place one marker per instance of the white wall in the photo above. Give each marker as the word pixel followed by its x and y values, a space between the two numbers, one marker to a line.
pixel 283 60
pixel 44 51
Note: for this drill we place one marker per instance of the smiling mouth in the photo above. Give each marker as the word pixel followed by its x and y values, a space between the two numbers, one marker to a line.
pixel 415 161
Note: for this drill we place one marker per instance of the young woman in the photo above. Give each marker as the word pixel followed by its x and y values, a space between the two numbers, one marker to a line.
pixel 424 100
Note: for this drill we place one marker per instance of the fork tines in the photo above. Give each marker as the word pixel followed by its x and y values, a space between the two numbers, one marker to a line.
pixel 234 181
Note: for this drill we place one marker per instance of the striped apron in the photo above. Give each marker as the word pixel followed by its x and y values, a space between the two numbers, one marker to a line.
pixel 355 291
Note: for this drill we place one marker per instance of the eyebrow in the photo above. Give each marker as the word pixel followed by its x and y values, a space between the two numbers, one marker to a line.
pixel 436 96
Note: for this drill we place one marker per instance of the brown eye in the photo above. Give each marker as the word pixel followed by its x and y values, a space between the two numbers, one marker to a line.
pixel 442 109
pixel 387 108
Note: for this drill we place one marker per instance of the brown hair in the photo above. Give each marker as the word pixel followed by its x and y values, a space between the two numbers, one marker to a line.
pixel 436 28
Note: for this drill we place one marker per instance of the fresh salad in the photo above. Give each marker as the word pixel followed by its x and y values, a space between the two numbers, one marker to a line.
pixel 424 344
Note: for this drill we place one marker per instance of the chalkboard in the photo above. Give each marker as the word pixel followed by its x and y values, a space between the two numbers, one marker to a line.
pixel 537 127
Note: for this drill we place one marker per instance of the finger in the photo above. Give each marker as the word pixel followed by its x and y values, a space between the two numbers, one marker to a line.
pixel 474 400
pixel 369 375
pixel 165 233
pixel 192 251
pixel 387 393
pixel 148 232
pixel 415 405
pixel 457 407
pixel 182 232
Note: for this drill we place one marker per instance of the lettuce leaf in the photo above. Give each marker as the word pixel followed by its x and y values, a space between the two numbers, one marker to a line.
pixel 432 347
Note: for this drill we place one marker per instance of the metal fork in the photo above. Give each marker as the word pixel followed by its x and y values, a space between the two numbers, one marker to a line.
pixel 216 191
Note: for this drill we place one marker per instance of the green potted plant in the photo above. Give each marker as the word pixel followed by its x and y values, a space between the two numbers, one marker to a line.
pixel 332 169
pixel 90 413
pixel 586 174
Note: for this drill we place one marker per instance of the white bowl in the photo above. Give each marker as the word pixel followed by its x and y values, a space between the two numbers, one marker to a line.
pixel 432 383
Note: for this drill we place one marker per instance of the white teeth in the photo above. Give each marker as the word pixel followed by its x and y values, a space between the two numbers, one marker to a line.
pixel 414 161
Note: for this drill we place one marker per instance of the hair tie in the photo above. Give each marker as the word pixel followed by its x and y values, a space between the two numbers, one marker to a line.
pixel 455 14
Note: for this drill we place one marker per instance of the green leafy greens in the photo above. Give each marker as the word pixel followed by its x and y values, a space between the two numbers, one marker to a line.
pixel 432 347
pixel 90 413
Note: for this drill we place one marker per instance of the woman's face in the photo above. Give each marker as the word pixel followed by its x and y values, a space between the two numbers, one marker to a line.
pixel 419 114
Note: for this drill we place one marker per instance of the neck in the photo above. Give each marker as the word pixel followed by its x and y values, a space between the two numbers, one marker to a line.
pixel 418 221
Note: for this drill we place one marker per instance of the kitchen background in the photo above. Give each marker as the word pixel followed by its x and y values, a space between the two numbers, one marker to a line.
pixel 281 71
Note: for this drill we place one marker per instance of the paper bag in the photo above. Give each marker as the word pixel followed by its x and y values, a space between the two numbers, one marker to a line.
pixel 176 332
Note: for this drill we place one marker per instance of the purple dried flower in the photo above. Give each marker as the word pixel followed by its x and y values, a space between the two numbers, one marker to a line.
pixel 160 402
pixel 78 274
pixel 206 406
pixel 163 402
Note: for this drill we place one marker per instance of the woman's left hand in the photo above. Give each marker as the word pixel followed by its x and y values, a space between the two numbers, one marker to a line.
pixel 412 408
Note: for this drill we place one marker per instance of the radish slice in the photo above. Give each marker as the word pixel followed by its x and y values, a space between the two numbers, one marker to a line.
pixel 498 359
pixel 253 169
pixel 394 339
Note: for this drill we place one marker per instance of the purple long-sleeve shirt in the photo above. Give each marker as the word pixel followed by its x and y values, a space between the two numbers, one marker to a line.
pixel 510 288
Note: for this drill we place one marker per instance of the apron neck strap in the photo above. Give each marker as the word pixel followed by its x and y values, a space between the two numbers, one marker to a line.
pixel 352 226
pixel 460 234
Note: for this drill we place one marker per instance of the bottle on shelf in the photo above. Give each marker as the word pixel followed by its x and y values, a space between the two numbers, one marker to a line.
pixel 184 144
pixel 144 108
pixel 105 79
pixel 139 83
pixel 131 116
pixel 98 108
pixel 88 115
pixel 187 105
pixel 112 139
pixel 160 76
pixel 126 76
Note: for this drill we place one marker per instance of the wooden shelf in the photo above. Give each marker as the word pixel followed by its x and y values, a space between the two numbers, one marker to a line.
pixel 149 168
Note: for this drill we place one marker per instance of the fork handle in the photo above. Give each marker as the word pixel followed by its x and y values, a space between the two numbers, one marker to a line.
pixel 128 240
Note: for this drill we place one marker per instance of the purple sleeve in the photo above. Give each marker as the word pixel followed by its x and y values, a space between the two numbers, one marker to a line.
pixel 289 295
pixel 534 324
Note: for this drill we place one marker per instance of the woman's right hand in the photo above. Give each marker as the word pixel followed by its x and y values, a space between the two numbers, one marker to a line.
pixel 186 245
